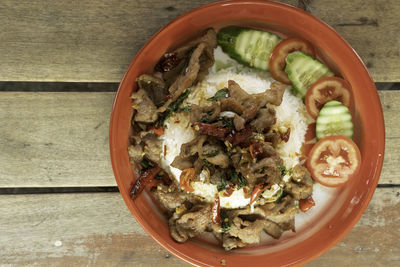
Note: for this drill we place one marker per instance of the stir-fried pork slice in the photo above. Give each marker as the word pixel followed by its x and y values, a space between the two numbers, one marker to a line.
pixel 154 87
pixel 194 146
pixel 286 219
pixel 263 171
pixel 171 197
pixel 249 113
pixel 231 104
pixel 239 122
pixel 269 151
pixel 152 149
pixel 248 232
pixel 265 167
pixel 207 113
pixel 221 160
pixel 272 96
pixel 172 64
pixel 187 156
pixel 281 213
pixel 231 242
pixel 145 143
pixel 201 59
pixel 244 232
pixel 264 120
pixel 241 96
pixel 146 111
pixel 300 185
pixel 196 113
pixel 187 224
pixel 136 152
pixel 210 38
pixel 241 159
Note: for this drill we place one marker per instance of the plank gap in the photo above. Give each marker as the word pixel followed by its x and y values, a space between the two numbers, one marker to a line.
pixel 17 86
pixel 388 186
pixel 57 87
pixel 96 189
pixel 57 190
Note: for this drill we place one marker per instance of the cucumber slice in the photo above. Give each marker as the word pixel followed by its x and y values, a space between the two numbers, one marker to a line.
pixel 334 119
pixel 303 70
pixel 248 46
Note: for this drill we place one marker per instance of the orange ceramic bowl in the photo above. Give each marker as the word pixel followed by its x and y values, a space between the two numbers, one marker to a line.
pixel 350 201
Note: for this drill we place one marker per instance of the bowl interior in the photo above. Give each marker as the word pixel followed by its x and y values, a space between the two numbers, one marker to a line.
pixel 338 216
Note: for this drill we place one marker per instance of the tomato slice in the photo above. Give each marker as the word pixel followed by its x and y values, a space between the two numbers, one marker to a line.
pixel 326 89
pixel 277 61
pixel 334 160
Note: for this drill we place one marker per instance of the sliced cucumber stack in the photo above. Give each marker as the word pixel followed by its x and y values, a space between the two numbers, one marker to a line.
pixel 303 70
pixel 248 46
pixel 334 119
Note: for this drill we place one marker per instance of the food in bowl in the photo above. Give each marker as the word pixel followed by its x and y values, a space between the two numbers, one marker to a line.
pixel 221 143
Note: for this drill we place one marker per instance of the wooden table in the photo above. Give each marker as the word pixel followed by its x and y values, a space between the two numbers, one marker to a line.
pixel 60 64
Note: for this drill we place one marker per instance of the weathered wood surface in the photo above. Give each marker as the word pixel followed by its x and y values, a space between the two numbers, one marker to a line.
pixel 98 230
pixel 55 139
pixel 61 139
pixel 95 40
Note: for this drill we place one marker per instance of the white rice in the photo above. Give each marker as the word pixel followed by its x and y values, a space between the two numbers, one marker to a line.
pixel 291 113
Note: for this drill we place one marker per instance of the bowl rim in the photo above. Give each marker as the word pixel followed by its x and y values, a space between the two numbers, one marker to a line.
pixel 288 8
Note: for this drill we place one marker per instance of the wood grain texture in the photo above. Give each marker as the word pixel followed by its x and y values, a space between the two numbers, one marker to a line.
pixel 391 111
pixel 96 40
pixel 61 139
pixel 55 139
pixel 98 230
pixel 372 29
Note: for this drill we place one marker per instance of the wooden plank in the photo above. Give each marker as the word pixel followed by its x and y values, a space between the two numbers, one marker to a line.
pixel 391 111
pixel 98 230
pixel 61 139
pixel 55 139
pixel 372 29
pixel 95 40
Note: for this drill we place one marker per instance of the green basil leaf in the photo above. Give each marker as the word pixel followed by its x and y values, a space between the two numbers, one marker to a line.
pixel 225 224
pixel 223 93
pixel 212 153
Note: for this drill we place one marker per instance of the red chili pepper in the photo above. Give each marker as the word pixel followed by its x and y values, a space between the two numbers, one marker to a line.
pixel 257 191
pixel 145 178
pixel 216 218
pixel 239 137
pixel 168 62
pixel 285 136
pixel 255 150
pixel 186 177
pixel 158 131
pixel 229 190
pixel 210 129
pixel 306 204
